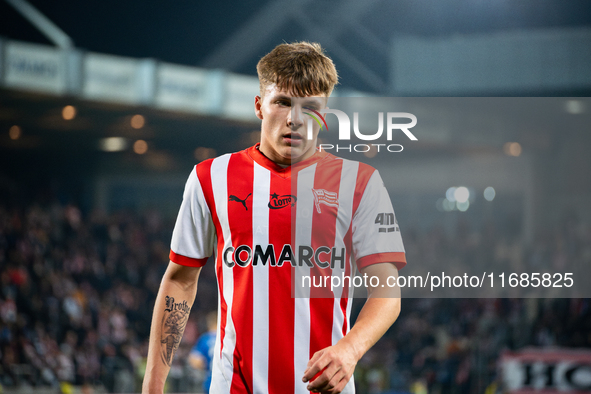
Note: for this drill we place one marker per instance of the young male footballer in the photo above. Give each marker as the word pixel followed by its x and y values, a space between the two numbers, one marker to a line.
pixel 272 214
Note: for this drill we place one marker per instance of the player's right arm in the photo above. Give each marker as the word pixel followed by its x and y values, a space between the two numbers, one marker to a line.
pixel 171 312
pixel 192 243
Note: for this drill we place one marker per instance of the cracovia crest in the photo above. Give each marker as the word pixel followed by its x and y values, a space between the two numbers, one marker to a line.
pixel 325 197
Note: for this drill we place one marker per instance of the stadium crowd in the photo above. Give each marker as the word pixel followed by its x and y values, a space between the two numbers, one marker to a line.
pixel 77 290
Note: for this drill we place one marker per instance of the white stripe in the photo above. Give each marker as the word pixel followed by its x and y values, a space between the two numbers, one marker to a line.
pixel 260 281
pixel 218 382
pixel 350 387
pixel 303 236
pixel 350 303
pixel 219 184
pixel 344 217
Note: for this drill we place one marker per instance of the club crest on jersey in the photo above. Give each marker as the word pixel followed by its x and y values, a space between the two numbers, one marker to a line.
pixel 285 200
pixel 243 202
pixel 322 196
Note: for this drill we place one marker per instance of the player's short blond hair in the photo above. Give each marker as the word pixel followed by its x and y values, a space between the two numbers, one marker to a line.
pixel 300 67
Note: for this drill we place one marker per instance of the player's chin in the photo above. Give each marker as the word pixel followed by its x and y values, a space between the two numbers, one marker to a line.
pixel 299 150
pixel 295 155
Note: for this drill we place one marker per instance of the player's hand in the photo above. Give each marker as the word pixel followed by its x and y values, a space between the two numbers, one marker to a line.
pixel 337 364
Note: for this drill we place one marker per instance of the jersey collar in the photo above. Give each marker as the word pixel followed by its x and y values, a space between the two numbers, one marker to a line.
pixel 284 172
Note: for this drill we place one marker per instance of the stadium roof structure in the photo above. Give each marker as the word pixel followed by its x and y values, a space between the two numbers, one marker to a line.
pixel 185 106
pixel 234 35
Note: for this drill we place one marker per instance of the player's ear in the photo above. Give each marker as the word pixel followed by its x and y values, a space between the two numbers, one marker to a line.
pixel 258 103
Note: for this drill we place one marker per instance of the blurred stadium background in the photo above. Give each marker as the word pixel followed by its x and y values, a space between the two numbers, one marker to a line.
pixel 106 106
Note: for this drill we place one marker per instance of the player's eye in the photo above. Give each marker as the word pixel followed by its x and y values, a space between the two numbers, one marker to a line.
pixel 286 103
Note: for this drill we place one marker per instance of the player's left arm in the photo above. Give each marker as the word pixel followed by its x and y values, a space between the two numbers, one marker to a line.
pixel 380 311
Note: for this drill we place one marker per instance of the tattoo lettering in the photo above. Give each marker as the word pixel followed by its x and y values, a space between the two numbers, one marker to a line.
pixel 171 306
pixel 173 325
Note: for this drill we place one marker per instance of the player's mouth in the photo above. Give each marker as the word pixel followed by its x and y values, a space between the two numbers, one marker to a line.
pixel 293 139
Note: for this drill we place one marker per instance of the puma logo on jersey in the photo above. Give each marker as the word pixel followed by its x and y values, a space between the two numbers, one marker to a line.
pixel 234 198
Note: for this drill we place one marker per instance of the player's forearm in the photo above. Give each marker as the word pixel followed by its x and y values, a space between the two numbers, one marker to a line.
pixel 376 316
pixel 379 312
pixel 171 312
pixel 332 367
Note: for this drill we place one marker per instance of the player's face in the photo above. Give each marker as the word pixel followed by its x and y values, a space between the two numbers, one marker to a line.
pixel 284 125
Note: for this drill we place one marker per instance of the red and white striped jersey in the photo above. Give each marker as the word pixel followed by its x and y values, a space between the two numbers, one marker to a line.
pixel 269 226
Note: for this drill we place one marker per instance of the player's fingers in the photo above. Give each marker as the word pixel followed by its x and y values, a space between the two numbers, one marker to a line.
pixel 316 365
pixel 332 385
pixel 314 358
pixel 340 385
pixel 324 380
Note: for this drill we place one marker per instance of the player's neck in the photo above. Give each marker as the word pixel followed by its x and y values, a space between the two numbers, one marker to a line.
pixel 284 164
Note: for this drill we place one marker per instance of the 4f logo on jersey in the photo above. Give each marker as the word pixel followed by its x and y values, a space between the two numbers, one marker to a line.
pixel 325 197
pixel 387 219
pixel 243 202
pixel 285 200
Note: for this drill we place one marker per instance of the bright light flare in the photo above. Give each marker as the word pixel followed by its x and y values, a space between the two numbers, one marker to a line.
pixel 69 112
pixel 461 194
pixel 138 121
pixel 113 144
pixel 463 206
pixel 140 147
pixel 450 194
pixel 489 193
pixel 15 132
pixel 512 149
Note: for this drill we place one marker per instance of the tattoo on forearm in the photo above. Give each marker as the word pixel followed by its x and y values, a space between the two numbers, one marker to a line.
pixel 173 325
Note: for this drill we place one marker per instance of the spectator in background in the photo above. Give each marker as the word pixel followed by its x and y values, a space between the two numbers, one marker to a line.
pixel 202 353
pixel 55 310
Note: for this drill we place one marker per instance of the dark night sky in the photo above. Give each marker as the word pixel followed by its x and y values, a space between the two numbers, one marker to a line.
pixel 186 31
pixel 181 31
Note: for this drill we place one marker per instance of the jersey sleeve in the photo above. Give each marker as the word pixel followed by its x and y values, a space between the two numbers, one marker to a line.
pixel 376 235
pixel 193 237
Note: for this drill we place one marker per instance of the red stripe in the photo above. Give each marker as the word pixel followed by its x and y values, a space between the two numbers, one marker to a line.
pixel 398 258
pixel 187 261
pixel 204 174
pixel 281 303
pixel 363 176
pixel 327 177
pixel 240 184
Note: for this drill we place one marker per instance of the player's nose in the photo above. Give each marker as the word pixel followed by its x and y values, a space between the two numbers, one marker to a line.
pixel 295 118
